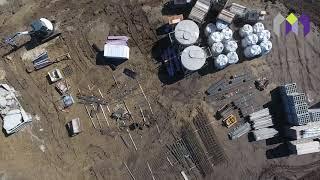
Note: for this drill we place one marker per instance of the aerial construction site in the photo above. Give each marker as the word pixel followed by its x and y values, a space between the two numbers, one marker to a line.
pixel 159 89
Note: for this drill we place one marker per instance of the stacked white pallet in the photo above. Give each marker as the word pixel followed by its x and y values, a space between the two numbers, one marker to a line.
pixel 304 146
pixel 200 10
pixel 262 122
pixel 261 119
pixel 264 133
pixel 310 130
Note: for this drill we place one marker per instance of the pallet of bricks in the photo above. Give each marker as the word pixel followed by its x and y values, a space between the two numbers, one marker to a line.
pixel 200 10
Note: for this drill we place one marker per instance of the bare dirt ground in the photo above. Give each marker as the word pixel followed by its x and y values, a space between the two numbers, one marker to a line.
pixel 45 151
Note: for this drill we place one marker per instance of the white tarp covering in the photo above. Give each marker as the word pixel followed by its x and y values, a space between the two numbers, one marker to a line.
pixel 13 115
pixel 116 51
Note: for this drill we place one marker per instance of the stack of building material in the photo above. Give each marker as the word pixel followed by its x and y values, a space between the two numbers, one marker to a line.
pixel 310 130
pixel 238 9
pixel 261 119
pixel 304 146
pixel 239 131
pixel 200 10
pixel 314 114
pixel 295 105
pixel 226 16
pixel 264 133
pixel 13 115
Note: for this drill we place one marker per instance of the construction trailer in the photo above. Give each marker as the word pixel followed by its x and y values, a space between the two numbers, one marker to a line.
pixel 304 146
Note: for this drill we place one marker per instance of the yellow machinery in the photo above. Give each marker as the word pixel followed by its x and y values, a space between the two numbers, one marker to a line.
pixel 229 121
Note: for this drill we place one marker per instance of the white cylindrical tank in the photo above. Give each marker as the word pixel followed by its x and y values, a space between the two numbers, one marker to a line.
pixel 264 35
pixel 217 48
pixel 210 28
pixel 232 57
pixel 186 32
pixel 249 40
pixel 266 47
pixel 193 58
pixel 258 27
pixel 245 30
pixel 215 37
pixel 221 25
pixel 227 34
pixel 230 46
pixel 252 51
pixel 221 61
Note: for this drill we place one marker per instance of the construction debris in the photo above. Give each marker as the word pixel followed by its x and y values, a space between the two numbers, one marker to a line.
pixel 91 100
pixel 13 115
pixel 261 84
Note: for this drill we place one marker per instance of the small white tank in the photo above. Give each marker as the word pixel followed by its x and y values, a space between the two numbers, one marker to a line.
pixel 245 30
pixel 252 51
pixel 221 25
pixel 249 40
pixel 258 27
pixel 266 47
pixel 264 35
pixel 232 57
pixel 230 46
pixel 210 28
pixel 217 48
pixel 215 37
pixel 221 61
pixel 227 34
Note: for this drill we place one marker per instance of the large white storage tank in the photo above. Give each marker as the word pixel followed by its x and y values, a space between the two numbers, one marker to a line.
pixel 193 58
pixel 249 40
pixel 217 48
pixel 227 34
pixel 230 46
pixel 210 28
pixel 258 27
pixel 215 37
pixel 232 57
pixel 264 35
pixel 221 61
pixel 246 30
pixel 186 32
pixel 266 47
pixel 252 51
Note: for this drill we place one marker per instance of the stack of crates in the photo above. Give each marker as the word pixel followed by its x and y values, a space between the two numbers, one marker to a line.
pixel 295 105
